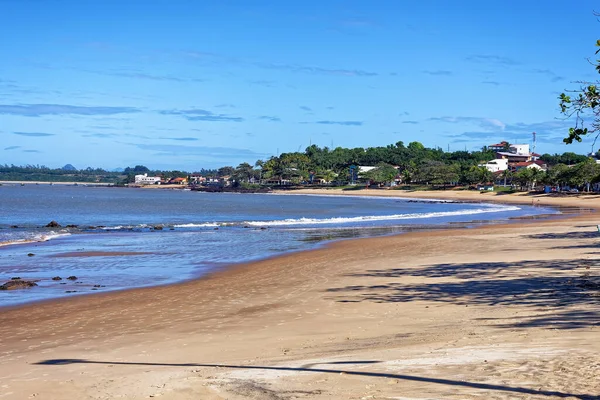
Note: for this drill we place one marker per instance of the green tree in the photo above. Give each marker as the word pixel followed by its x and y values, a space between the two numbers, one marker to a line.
pixel 243 173
pixel 384 173
pixel 580 104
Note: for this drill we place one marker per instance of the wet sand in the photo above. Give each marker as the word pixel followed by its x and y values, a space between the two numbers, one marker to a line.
pixel 496 312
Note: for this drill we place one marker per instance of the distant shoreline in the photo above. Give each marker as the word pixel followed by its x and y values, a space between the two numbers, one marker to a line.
pixel 55 183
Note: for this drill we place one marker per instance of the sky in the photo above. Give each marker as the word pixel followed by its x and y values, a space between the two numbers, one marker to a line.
pixel 188 84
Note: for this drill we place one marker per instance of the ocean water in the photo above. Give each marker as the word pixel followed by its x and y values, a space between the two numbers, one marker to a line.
pixel 120 230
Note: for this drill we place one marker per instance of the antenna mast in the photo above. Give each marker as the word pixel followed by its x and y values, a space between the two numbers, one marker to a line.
pixel 534 141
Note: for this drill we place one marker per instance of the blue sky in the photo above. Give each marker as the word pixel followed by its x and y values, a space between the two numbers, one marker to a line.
pixel 184 84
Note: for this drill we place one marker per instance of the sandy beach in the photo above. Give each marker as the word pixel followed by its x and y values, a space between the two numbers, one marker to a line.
pixel 506 311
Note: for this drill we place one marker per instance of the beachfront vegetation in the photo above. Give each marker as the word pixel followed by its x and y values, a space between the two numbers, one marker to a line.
pixel 412 164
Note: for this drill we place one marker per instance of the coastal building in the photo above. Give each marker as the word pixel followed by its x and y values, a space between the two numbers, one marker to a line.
pixel 146 180
pixel 178 181
pixel 502 146
pixel 277 181
pixel 496 165
pixel 197 178
pixel 540 165
pixel 517 153
pixel 365 168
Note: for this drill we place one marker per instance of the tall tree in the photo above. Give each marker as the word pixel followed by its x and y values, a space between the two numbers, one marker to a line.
pixel 583 104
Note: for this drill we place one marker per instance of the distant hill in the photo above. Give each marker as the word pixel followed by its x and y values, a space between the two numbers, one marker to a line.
pixel 117 170
pixel 69 167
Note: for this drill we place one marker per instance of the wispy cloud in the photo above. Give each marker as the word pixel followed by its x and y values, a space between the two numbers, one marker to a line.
pixel 143 75
pixel 439 73
pixel 346 123
pixel 547 132
pixel 493 83
pixel 225 105
pixel 269 118
pixel 216 59
pixel 264 83
pixel 31 151
pixel 202 115
pixel 486 123
pixel 554 77
pixel 215 118
pixel 12 147
pixel 358 23
pixel 33 134
pixel 181 139
pixel 317 70
pixel 213 152
pixel 410 122
pixel 492 59
pixel 305 108
pixel 101 135
pixel 37 110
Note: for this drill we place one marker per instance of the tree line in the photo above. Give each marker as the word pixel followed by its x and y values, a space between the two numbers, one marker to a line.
pixel 409 164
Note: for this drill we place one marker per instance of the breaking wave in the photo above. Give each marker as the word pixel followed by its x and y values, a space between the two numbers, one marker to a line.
pixel 368 218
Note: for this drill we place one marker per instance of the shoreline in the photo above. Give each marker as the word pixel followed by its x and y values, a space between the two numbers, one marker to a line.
pixel 462 313
pixel 323 244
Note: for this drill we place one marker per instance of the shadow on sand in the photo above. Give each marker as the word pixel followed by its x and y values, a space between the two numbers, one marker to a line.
pixel 450 382
pixel 567 283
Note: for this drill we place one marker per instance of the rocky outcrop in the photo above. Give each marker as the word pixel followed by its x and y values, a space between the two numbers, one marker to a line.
pixel 15 284
pixel 53 224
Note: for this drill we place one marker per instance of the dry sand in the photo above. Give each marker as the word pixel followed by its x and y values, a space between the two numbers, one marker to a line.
pixel 497 312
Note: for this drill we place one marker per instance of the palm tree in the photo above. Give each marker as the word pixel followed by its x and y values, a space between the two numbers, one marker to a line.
pixel 507 174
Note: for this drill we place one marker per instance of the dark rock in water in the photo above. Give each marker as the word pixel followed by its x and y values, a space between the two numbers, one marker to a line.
pixel 216 229
pixel 53 224
pixel 97 286
pixel 262 228
pixel 91 227
pixel 17 284
pixel 70 291
pixel 101 226
pixel 57 278
pixel 30 254
pixel 15 278
pixel 14 226
pixel 246 227
pixel 72 226
pixel 158 227
pixel 72 278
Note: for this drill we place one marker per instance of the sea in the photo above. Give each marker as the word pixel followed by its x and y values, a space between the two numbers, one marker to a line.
pixel 118 238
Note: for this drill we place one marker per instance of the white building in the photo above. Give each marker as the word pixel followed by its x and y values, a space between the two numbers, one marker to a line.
pixel 146 180
pixel 519 149
pixel 499 164
pixel 363 169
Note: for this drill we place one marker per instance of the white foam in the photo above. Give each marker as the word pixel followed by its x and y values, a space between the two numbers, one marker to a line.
pixel 36 238
pixel 369 218
pixel 49 236
pixel 203 225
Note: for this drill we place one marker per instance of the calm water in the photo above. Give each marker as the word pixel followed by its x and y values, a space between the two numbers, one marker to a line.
pixel 201 231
